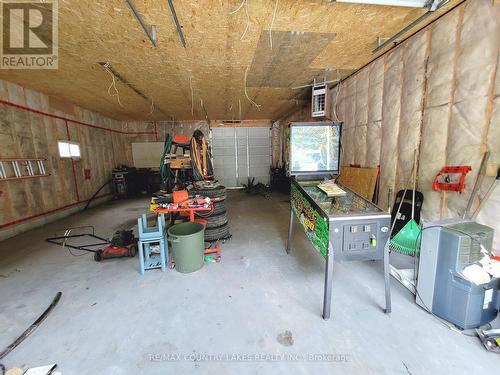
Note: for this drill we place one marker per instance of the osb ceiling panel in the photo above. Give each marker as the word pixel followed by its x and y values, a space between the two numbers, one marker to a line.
pixel 295 51
pixel 208 77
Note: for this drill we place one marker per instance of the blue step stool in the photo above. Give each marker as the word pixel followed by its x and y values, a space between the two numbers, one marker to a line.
pixel 149 236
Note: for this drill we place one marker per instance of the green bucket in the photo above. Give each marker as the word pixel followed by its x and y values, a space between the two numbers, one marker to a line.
pixel 188 246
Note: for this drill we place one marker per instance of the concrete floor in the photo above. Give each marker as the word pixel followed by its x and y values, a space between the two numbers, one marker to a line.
pixel 257 302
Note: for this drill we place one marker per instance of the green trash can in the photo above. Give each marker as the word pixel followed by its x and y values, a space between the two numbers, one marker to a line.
pixel 188 246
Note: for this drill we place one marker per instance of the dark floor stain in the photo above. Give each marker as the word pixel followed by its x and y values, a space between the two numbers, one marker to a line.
pixel 132 209
pixel 21 306
pixel 285 338
pixel 261 343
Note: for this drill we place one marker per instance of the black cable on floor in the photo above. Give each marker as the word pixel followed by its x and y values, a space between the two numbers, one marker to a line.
pixel 31 328
pixel 95 194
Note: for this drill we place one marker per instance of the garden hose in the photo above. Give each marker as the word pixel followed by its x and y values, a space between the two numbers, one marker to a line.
pixel 200 157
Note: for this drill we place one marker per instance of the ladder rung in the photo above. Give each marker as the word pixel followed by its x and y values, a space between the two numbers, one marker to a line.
pixel 2 171
pixel 41 167
pixel 29 168
pixel 17 171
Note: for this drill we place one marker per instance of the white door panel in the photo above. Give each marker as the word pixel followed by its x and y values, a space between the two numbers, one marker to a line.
pixel 240 153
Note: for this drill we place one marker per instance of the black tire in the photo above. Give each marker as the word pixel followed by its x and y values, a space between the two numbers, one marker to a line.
pixel 132 251
pixel 219 198
pixel 215 221
pixel 218 233
pixel 219 207
pixel 97 257
pixel 212 193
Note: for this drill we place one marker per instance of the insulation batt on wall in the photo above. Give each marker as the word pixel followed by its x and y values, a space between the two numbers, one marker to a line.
pixel 374 126
pixel 104 144
pixel 440 95
pixel 361 118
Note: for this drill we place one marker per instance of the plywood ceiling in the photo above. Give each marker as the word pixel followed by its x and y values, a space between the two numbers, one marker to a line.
pixel 309 37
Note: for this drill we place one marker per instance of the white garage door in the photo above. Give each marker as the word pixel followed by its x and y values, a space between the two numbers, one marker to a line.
pixel 240 153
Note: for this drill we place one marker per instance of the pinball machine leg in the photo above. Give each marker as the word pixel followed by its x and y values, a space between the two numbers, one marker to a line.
pixel 387 279
pixel 327 297
pixel 290 230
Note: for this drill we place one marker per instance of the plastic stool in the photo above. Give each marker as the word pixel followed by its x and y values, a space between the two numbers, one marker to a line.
pixel 156 232
pixel 147 237
pixel 149 261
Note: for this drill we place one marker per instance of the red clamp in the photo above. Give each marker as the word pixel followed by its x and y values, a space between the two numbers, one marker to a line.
pixel 445 181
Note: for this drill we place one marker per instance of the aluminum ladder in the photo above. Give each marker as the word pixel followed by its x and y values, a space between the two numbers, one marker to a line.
pixel 15 169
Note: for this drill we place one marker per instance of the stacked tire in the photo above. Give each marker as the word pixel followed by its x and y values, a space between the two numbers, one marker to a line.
pixel 217 227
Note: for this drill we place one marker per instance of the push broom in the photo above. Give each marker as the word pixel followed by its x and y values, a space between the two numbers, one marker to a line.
pixel 405 241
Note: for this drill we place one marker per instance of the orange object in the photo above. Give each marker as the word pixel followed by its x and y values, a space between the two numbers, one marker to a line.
pixel 180 196
pixel 443 181
pixel 215 250
pixel 189 210
pixel 180 139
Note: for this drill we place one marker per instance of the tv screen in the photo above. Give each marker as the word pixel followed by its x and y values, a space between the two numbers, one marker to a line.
pixel 315 148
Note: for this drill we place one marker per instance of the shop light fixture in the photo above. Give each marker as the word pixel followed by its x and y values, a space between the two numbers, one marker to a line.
pixel 395 3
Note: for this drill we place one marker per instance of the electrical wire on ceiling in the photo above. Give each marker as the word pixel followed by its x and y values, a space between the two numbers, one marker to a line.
pixel 152 108
pixel 272 24
pixel 204 109
pixel 237 9
pixel 248 20
pixel 339 85
pixel 192 97
pixel 246 93
pixel 243 3
pixel 113 85
pixel 230 110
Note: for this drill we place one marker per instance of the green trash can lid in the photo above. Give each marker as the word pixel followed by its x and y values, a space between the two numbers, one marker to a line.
pixel 185 229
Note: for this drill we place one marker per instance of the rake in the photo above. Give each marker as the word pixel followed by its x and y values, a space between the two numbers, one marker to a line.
pixel 405 241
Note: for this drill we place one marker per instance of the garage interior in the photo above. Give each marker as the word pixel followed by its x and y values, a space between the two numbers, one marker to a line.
pixel 252 187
